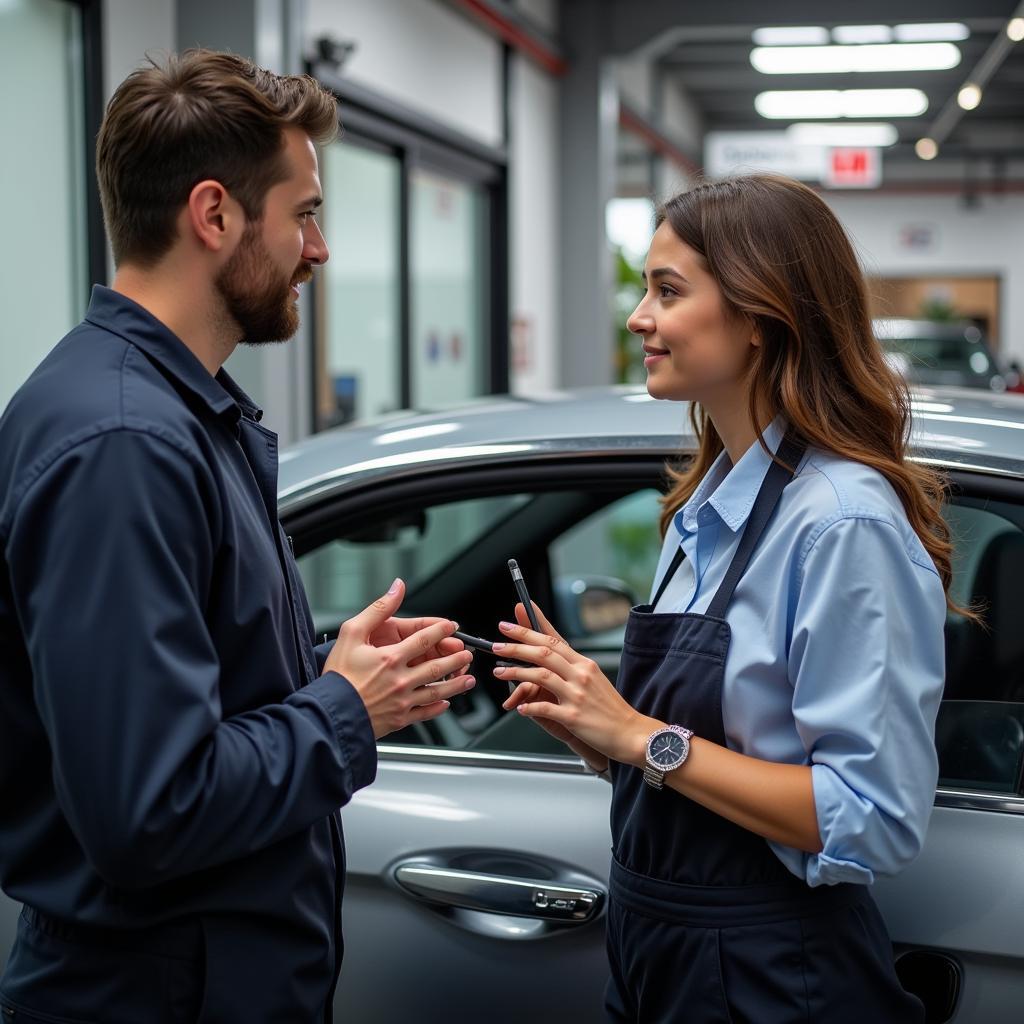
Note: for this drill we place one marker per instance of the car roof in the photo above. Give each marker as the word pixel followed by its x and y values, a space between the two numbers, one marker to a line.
pixel 968 428
pixel 893 328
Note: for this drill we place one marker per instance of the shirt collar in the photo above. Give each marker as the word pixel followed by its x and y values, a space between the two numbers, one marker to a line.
pixel 120 315
pixel 729 491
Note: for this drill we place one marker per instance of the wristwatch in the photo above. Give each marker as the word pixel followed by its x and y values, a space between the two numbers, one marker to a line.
pixel 667 749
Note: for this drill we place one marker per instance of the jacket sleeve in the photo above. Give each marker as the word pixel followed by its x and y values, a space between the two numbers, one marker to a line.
pixel 112 554
pixel 867 666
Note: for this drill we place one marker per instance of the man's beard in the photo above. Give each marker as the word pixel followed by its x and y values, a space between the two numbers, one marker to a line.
pixel 255 296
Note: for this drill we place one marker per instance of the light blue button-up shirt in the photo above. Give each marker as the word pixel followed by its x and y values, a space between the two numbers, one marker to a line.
pixel 837 654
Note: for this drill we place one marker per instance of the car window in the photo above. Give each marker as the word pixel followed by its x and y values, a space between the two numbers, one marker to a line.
pixel 980 730
pixel 591 555
pixel 347 573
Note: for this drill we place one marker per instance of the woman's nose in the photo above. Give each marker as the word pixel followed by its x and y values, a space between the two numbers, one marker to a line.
pixel 640 321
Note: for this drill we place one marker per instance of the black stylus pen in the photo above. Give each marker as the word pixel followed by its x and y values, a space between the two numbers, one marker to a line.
pixel 474 641
pixel 524 594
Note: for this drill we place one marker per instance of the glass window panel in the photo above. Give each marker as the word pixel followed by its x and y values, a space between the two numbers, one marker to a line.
pixel 360 338
pixel 43 266
pixel 449 275
pixel 345 575
pixel 980 731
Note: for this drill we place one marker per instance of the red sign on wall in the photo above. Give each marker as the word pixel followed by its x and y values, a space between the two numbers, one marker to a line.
pixel 849 167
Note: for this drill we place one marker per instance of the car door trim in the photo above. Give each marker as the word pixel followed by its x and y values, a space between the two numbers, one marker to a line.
pixel 978 800
pixel 964 799
pixel 565 763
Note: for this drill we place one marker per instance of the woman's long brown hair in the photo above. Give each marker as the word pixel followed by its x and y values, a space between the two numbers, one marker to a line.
pixel 782 260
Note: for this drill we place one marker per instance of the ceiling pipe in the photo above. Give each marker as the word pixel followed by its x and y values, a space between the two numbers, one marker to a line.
pixel 991 59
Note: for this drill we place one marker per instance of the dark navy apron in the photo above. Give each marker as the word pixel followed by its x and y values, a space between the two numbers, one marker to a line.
pixel 705 924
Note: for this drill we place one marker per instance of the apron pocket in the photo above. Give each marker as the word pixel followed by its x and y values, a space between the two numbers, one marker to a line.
pixel 762 972
pixel 851 976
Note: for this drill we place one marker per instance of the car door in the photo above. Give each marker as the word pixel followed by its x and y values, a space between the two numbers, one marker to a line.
pixel 436 842
pixel 478 860
pixel 956 914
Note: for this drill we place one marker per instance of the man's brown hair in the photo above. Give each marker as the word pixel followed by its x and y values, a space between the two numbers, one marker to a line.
pixel 200 115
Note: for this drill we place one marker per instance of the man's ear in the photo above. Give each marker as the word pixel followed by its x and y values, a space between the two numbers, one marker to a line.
pixel 214 217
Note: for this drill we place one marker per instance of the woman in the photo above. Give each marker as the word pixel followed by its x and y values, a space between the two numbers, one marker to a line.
pixel 770 740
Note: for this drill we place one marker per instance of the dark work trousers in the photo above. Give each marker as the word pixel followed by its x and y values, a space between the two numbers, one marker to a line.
pixel 705 923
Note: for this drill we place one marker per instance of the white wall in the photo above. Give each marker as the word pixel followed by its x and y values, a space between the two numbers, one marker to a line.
pixel 987 240
pixel 131 29
pixel 419 53
pixel 533 229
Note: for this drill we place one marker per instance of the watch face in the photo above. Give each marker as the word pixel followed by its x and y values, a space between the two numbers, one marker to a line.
pixel 668 749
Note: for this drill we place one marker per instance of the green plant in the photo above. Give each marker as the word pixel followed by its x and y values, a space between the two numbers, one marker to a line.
pixel 629 290
pixel 939 309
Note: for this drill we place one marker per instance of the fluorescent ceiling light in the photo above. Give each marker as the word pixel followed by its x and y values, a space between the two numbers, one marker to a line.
pixel 969 96
pixel 806 35
pixel 822 104
pixel 1015 29
pixel 821 60
pixel 810 133
pixel 862 34
pixel 932 32
pixel 926 149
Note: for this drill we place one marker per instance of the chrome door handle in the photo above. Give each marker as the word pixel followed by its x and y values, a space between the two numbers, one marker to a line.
pixel 499 894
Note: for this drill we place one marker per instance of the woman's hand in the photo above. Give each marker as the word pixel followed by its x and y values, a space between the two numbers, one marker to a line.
pixel 530 692
pixel 569 695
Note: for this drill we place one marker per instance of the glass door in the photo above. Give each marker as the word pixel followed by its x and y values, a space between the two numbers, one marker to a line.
pixel 449 289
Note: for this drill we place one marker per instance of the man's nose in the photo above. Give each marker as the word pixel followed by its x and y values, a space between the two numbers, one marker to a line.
pixel 315 248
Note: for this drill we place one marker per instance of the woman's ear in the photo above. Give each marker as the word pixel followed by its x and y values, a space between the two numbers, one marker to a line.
pixel 755 333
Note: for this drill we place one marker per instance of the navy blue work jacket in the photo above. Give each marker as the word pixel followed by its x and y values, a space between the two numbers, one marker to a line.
pixel 172 761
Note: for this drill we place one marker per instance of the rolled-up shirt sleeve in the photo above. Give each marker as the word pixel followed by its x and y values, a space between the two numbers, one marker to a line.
pixel 866 663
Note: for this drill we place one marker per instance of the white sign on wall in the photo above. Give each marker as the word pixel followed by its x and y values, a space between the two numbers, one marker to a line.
pixel 727 153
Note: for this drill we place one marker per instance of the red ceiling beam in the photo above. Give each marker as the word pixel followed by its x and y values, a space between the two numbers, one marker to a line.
pixel 515 34
pixel 632 122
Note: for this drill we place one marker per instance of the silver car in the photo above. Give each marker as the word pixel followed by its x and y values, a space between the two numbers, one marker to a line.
pixel 936 353
pixel 478 860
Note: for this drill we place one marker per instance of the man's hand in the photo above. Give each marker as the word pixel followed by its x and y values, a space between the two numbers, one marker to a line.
pixel 399 666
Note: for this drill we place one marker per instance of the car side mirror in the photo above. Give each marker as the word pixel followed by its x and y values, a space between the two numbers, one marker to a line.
pixel 590 605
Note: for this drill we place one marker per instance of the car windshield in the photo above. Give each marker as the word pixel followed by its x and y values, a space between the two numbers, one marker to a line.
pixel 942 353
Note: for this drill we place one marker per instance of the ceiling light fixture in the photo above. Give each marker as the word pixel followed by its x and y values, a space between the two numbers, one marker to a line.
pixel 969 96
pixel 1015 29
pixel 926 149
pixel 801 35
pixel 823 60
pixel 932 32
pixel 853 34
pixel 830 104
pixel 810 133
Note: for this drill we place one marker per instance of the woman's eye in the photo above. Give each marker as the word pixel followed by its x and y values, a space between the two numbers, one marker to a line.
pixel 666 292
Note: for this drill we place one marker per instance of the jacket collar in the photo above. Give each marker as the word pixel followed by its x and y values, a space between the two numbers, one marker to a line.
pixel 124 317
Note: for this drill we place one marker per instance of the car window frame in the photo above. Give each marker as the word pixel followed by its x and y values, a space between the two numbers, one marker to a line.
pixel 646 467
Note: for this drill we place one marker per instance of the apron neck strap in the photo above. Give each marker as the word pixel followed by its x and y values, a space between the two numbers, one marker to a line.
pixel 790 452
pixel 677 560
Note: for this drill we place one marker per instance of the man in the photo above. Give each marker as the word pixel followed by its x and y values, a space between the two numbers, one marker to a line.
pixel 173 749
